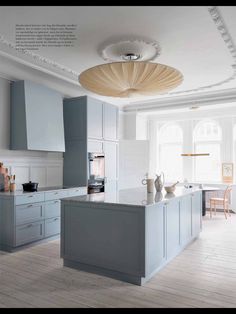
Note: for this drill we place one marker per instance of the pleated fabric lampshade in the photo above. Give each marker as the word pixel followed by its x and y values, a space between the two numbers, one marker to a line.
pixel 130 79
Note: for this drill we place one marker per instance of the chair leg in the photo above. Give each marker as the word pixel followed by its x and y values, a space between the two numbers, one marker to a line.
pixel 228 209
pixel 225 210
pixel 210 209
pixel 215 207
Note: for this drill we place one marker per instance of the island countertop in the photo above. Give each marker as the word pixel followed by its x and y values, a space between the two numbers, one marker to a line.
pixel 132 197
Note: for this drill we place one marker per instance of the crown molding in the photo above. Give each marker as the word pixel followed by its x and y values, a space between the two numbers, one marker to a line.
pixel 36 61
pixel 222 28
pixel 27 57
pixel 207 98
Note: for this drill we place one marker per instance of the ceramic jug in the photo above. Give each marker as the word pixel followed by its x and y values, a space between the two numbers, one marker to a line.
pixel 159 182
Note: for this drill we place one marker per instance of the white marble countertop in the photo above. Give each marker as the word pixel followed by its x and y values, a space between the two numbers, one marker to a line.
pixel 133 197
pixel 40 190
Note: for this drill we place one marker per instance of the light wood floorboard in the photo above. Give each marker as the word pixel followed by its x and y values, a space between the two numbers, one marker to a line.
pixel 202 276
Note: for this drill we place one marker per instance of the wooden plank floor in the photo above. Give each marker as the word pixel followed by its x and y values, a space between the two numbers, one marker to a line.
pixel 203 275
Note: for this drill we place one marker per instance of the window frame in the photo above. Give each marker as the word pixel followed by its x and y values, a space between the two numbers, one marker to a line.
pixel 216 141
pixel 162 144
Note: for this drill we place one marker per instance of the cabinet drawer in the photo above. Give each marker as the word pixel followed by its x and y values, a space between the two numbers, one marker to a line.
pixel 52 226
pixel 29 232
pixel 55 195
pixel 52 209
pixel 77 191
pixel 29 198
pixel 29 213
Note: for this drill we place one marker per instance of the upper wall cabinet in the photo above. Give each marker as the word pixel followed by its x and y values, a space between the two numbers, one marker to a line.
pixel 36 118
pixel 101 119
pixel 110 119
pixel 94 118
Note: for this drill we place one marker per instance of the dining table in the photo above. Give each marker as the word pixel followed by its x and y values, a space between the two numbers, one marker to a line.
pixel 206 189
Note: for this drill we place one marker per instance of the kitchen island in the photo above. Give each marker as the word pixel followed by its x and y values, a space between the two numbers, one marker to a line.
pixel 130 234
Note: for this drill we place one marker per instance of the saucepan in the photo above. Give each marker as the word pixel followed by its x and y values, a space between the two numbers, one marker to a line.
pixel 30 186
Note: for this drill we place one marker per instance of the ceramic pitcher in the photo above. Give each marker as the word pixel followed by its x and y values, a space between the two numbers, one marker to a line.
pixel 159 182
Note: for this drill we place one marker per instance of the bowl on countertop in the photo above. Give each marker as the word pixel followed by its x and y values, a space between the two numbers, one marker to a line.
pixel 169 189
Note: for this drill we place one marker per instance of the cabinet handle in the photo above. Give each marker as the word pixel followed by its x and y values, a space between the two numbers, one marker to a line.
pixel 55 193
pixel 56 219
pixel 56 201
pixel 30 225
pixel 30 205
pixel 30 196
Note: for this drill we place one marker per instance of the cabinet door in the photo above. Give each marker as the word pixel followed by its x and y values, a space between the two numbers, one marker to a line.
pixel 185 220
pixel 110 121
pixel 196 213
pixel 52 226
pixel 111 173
pixel 95 146
pixel 173 227
pixel 155 248
pixel 94 118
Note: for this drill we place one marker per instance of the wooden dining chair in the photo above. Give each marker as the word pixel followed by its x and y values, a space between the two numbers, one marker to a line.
pixel 221 201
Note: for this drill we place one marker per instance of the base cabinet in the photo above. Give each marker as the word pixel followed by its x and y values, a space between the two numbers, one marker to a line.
pixel 185 219
pixel 24 223
pixel 52 226
pixel 139 240
pixel 29 232
pixel 196 217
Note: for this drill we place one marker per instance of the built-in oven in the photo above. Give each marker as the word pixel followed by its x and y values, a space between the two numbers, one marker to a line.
pixel 96 172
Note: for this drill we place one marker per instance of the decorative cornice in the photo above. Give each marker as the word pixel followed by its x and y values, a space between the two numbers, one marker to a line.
pixel 220 24
pixel 205 98
pixel 45 62
pixel 147 49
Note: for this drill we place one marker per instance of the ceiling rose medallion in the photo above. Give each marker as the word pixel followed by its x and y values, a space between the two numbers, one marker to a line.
pixel 132 75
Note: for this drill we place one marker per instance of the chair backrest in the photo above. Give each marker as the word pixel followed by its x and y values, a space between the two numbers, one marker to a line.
pixel 227 192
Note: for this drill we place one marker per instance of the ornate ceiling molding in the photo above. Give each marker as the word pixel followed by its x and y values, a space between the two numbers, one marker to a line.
pixel 220 24
pixel 202 98
pixel 146 49
pixel 11 49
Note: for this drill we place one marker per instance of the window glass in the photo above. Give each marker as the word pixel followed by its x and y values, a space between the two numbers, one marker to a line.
pixel 207 139
pixel 170 149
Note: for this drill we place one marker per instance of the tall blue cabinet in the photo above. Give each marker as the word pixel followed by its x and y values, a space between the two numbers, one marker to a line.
pixel 90 126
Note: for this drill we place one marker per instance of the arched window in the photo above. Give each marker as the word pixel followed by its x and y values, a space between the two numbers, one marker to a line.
pixel 207 139
pixel 170 149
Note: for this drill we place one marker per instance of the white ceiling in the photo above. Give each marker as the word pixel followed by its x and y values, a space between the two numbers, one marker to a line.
pixel 188 36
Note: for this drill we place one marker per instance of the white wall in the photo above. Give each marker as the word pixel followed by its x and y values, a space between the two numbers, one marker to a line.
pixel 43 167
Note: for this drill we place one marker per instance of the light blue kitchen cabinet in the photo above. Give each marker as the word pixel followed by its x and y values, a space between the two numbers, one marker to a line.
pixel 94 118
pixel 110 116
pixel 196 216
pixel 87 117
pixel 29 217
pixel 185 219
pixel 172 227
pixel 155 227
pixel 75 118
pixel 36 118
pixel 75 166
pixel 90 126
